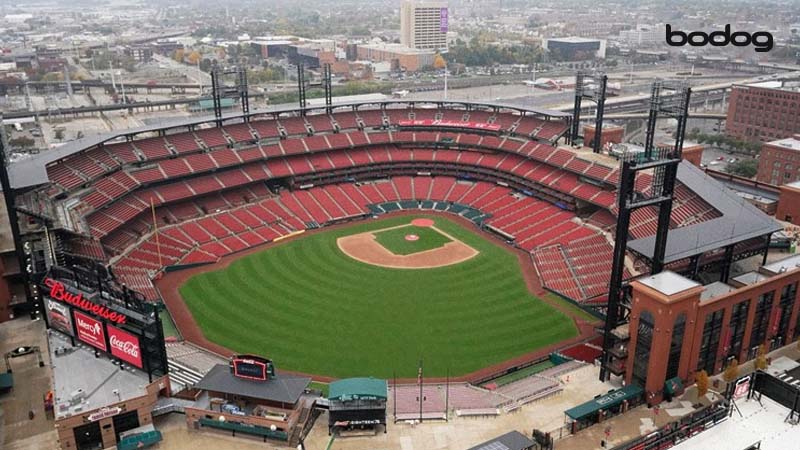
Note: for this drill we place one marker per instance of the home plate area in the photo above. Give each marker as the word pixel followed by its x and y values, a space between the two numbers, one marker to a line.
pixel 416 245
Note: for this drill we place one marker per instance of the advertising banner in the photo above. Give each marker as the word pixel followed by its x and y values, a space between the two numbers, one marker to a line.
pixel 443 22
pixel 58 317
pixel 124 346
pixel 90 331
pixel 449 124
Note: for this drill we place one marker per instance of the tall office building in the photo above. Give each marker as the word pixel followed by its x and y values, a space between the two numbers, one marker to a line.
pixel 423 24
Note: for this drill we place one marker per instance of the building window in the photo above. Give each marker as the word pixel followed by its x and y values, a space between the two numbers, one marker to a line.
pixel 674 360
pixel 788 294
pixel 710 342
pixel 761 322
pixel 644 340
pixel 737 326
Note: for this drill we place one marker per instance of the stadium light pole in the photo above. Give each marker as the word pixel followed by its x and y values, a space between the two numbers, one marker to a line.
pixel 442 52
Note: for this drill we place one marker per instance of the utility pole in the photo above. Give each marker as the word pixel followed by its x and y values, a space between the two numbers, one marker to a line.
pixel 111 69
pixel 445 80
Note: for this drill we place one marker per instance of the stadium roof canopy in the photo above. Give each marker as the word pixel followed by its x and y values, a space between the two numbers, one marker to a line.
pixel 283 388
pixel 513 440
pixel 739 221
pixel 358 388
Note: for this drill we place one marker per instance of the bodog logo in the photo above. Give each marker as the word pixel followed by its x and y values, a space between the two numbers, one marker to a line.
pixel 761 40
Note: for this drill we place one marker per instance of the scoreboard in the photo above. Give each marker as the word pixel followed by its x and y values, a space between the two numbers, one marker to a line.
pixel 252 367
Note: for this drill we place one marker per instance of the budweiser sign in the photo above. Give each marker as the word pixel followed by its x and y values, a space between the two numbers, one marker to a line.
pixel 450 124
pixel 125 346
pixel 90 330
pixel 59 292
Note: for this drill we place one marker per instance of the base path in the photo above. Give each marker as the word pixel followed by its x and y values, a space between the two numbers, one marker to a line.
pixel 365 248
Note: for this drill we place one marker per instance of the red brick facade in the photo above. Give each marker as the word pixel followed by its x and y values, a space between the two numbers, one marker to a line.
pixel 762 114
pixel 693 153
pixel 768 313
pixel 789 204
pixel 610 133
pixel 779 161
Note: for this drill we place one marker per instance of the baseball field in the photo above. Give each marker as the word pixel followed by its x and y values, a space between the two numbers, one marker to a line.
pixel 311 307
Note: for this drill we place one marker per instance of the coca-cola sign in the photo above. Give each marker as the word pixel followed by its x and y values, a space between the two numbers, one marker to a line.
pixel 125 346
pixel 90 330
pixel 59 292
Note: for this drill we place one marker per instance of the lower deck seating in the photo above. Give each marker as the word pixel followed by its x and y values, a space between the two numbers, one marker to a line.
pixel 205 228
pixel 579 270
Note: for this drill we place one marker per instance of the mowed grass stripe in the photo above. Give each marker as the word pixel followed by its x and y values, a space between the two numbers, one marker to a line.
pixel 311 308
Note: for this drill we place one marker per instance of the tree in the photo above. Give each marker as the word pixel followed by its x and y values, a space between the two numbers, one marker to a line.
pixel 439 62
pixel 702 383
pixel 747 168
pixel 53 76
pixel 194 57
pixel 731 372
pixel 761 357
pixel 178 56
pixel 21 142
pixel 59 134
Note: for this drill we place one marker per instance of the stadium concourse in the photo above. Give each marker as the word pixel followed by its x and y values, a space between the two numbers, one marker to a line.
pixel 150 199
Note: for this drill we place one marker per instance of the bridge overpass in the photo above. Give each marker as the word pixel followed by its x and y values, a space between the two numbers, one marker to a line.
pixel 634 116
pixel 700 94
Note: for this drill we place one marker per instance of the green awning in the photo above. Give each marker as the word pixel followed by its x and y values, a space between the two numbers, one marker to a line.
pixel 142 440
pixel 673 386
pixel 358 389
pixel 6 381
pixel 605 402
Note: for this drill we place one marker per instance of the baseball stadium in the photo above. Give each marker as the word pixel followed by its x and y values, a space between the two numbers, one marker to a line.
pixel 374 239
pixel 303 226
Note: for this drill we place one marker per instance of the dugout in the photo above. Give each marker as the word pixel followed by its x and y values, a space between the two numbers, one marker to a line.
pixel 513 440
pixel 250 397
pixel 604 407
pixel 357 403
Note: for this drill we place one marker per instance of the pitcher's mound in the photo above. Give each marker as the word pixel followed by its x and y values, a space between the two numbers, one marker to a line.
pixel 422 222
pixel 412 237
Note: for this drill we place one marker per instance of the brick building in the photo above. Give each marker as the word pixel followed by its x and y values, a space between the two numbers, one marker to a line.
pixel 789 203
pixel 401 57
pixel 610 134
pixel 763 112
pixel 779 161
pixel 692 327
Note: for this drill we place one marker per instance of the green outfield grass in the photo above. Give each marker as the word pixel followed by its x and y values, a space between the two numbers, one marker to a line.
pixel 395 240
pixel 313 309
pixel 167 325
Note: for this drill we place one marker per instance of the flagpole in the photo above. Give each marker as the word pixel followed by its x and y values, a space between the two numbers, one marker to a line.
pixel 155 226
pixel 420 389
pixel 447 396
pixel 394 388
